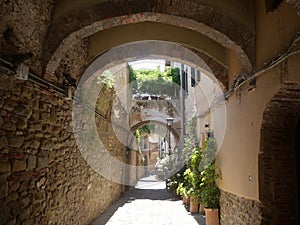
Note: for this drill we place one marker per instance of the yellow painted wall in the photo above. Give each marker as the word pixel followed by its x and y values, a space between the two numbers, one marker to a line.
pixel 116 36
pixel 274 30
pixel 238 157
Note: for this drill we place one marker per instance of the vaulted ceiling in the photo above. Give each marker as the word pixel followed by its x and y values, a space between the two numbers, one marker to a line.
pixel 70 34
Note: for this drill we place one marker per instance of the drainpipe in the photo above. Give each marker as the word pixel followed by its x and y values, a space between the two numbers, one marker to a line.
pixel 182 99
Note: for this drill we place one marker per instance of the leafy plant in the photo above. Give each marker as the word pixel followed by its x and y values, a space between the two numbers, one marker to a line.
pixel 210 193
pixel 191 141
pixel 107 79
pixel 154 81
pixel 174 181
pixel 196 158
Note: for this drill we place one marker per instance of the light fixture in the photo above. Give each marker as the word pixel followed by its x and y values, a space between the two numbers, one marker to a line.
pixel 170 121
pixel 22 72
pixel 68 92
pixel 208 131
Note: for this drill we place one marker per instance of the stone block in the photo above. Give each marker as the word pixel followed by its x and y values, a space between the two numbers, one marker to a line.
pixel 31 164
pixel 47 145
pixel 35 115
pixel 3 189
pixel 9 106
pixel 40 196
pixel 3 178
pixel 9 126
pixel 41 182
pixel 26 93
pixel 53 116
pixel 34 144
pixel 16 141
pixel 14 186
pixel 51 156
pixel 45 117
pixel 42 162
pixel 21 123
pixel 6 83
pixel 12 197
pixel 35 127
pixel 5 166
pixel 22 110
pixel 3 142
pixel 24 186
pixel 19 165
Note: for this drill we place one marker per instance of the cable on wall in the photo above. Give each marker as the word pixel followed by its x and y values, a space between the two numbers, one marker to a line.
pixel 242 79
pixel 7 67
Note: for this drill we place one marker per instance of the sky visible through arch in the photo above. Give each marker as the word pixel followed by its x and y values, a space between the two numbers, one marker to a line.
pixel 148 64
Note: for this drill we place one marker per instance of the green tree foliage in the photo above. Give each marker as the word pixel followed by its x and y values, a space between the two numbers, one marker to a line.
pixel 190 141
pixel 132 79
pixel 154 81
pixel 144 130
pixel 107 79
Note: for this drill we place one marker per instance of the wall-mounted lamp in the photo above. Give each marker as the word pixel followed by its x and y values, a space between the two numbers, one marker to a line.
pixel 68 92
pixel 207 130
pixel 22 72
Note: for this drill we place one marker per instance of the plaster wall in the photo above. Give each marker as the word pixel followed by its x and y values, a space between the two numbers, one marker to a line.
pixel 116 36
pixel 238 156
pixel 274 30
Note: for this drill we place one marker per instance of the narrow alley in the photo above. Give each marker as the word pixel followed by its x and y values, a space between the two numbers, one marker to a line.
pixel 97 94
pixel 148 203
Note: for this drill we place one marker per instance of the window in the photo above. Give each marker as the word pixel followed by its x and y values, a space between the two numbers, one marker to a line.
pixel 198 75
pixel 193 82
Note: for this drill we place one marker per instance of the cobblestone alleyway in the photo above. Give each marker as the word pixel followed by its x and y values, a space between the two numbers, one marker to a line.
pixel 148 203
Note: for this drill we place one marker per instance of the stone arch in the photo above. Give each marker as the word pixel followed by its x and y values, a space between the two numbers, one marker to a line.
pixel 277 164
pixel 150 50
pixel 173 130
pixel 239 39
pixel 158 110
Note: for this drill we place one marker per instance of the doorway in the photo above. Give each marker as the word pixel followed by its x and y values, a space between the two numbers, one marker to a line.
pixel 297 148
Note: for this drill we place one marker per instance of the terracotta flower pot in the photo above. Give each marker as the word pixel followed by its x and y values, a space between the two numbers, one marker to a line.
pixel 201 209
pixel 212 216
pixel 185 200
pixel 174 193
pixel 194 205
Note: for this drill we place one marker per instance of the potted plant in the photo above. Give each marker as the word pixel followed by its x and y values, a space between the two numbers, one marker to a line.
pixel 182 191
pixel 210 194
pixel 173 182
pixel 191 192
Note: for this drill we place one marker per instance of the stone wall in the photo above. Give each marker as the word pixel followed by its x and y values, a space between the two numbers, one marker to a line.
pixel 23 27
pixel 237 210
pixel 43 177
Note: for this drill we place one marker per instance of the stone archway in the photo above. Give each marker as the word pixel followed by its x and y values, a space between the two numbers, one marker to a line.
pixel 277 158
pixel 149 50
pixel 173 130
pixel 65 31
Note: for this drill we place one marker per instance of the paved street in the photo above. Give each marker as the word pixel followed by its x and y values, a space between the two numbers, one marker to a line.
pixel 148 203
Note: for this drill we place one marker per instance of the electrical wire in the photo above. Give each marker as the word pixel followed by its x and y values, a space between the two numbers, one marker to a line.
pixel 7 68
pixel 269 66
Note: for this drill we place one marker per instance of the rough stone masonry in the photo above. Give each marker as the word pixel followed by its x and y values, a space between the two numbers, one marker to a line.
pixel 43 177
